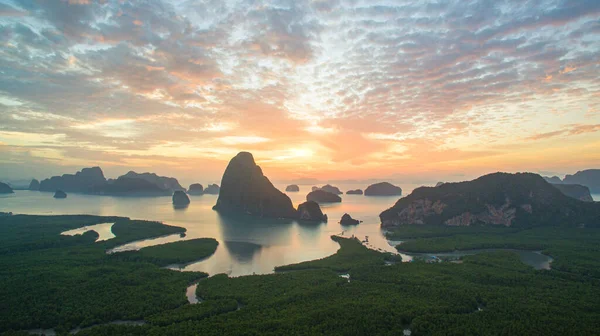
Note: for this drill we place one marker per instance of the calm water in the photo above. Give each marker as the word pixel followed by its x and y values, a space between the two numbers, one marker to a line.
pixel 246 246
pixel 104 231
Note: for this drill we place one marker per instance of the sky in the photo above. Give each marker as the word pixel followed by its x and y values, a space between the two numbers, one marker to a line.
pixel 348 89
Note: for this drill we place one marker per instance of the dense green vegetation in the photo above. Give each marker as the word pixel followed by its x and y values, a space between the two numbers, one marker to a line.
pixel 574 250
pixel 487 294
pixel 53 281
pixel 174 253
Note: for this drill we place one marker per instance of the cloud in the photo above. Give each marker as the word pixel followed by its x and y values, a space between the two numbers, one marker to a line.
pixel 567 131
pixel 326 85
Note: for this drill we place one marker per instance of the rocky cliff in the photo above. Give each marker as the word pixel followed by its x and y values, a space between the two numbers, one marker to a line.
pixel 500 199
pixel 245 190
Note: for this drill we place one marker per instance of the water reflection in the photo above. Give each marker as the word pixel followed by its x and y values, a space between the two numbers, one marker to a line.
pixel 254 229
pixel 243 252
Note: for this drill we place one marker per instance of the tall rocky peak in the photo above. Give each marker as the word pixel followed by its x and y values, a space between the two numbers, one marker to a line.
pixel 80 182
pixel 245 190
pixel 522 199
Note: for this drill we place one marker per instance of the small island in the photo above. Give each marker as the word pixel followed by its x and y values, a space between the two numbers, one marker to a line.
pixel 322 196
pixel 196 189
pixel 331 189
pixel 348 220
pixel 383 189
pixel 5 189
pixel 34 185
pixel 180 199
pixel 212 189
pixel 292 188
pixel 311 211
pixel 60 194
pixel 354 192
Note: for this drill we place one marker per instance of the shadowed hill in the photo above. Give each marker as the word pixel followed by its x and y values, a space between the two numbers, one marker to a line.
pixel 502 199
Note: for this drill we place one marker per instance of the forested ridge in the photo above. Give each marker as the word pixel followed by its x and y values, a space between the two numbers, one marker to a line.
pixel 486 294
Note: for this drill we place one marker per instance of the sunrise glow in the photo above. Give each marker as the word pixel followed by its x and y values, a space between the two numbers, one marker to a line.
pixel 341 89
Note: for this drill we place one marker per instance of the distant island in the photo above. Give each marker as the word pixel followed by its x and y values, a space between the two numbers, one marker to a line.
pixel 383 189
pixel 331 189
pixel 292 188
pixel 166 183
pixel 34 185
pixel 180 199
pixel 354 192
pixel 322 196
pixel 126 186
pixel 92 181
pixel 212 189
pixel 60 194
pixel 348 220
pixel 575 191
pixel 589 178
pixel 5 189
pixel 81 181
pixel 196 189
